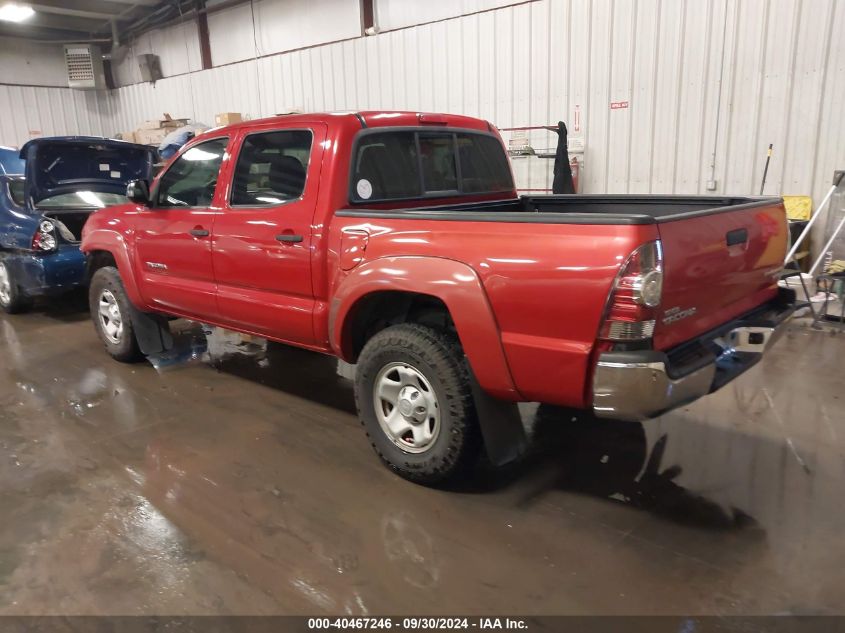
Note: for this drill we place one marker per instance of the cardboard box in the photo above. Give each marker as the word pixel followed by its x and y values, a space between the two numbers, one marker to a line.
pixel 227 118
pixel 170 122
pixel 151 137
pixel 166 121
pixel 128 136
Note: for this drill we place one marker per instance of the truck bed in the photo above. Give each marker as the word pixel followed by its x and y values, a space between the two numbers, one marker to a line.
pixel 575 209
pixel 721 255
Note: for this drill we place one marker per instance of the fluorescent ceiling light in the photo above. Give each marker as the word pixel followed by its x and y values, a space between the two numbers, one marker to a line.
pixel 12 12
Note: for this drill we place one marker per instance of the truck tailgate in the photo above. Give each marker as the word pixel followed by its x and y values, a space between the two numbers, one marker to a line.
pixel 717 266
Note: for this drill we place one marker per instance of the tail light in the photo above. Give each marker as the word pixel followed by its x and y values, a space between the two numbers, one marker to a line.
pixel 45 237
pixel 632 305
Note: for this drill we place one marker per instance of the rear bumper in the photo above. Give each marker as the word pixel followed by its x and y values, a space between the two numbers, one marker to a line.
pixel 643 384
pixel 39 274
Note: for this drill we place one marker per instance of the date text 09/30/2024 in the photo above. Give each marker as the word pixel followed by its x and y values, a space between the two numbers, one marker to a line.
pixel 412 624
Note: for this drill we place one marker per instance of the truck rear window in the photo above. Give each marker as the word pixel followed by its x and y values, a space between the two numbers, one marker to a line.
pixel 403 164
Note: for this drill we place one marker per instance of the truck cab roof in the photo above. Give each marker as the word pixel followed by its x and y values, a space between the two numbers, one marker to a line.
pixel 367 119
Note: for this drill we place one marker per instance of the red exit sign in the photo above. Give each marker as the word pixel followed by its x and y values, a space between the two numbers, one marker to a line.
pixel 618 105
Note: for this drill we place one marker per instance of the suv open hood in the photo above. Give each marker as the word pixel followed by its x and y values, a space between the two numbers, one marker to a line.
pixel 67 164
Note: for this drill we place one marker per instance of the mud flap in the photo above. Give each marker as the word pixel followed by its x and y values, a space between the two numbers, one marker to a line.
pixel 501 426
pixel 151 331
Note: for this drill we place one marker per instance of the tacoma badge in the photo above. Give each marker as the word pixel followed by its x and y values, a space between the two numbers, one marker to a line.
pixel 676 314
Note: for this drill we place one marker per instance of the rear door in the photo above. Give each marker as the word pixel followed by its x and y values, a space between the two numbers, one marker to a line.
pixel 173 236
pixel 263 235
pixel 716 267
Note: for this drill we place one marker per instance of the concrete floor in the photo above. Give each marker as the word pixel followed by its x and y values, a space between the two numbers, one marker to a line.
pixel 240 482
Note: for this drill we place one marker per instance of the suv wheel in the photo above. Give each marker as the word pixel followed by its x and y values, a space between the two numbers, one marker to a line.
pixel 12 300
pixel 413 395
pixel 112 316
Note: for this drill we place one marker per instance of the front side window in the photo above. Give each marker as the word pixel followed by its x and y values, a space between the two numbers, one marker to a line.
pixel 401 164
pixel 192 178
pixel 271 168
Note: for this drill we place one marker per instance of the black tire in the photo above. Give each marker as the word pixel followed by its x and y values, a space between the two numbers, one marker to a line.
pixel 125 349
pixel 16 301
pixel 440 360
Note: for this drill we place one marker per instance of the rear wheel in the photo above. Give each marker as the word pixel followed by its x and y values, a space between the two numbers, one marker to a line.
pixel 414 399
pixel 112 316
pixel 12 300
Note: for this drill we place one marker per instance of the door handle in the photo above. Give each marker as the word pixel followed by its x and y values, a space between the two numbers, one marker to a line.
pixel 199 232
pixel 289 238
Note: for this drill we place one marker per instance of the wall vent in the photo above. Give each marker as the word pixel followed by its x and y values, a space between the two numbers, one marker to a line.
pixel 84 67
pixel 149 67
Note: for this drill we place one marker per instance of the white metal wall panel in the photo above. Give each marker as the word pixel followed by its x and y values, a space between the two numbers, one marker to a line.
pixel 279 26
pixel 283 26
pixel 395 14
pixel 829 137
pixel 177 47
pixel 28 62
pixel 29 112
pixel 809 74
pixel 230 35
pixel 782 82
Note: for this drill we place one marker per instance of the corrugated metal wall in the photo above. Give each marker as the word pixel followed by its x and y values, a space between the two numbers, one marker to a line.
pixel 28 112
pixel 696 75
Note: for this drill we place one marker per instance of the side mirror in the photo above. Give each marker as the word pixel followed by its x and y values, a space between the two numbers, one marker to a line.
pixel 138 191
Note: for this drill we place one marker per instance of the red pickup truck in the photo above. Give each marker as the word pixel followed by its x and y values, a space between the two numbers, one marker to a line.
pixel 397 242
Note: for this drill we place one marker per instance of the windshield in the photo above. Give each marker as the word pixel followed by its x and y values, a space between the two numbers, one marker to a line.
pixel 82 200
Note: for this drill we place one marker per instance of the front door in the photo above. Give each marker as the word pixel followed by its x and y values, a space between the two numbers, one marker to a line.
pixel 173 237
pixel 263 236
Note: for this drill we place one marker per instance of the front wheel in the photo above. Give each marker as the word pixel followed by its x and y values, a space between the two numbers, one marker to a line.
pixel 414 398
pixel 112 315
pixel 12 300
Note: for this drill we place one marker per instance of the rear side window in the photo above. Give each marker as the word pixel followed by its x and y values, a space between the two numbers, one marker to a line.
pixel 402 164
pixel 271 168
pixel 191 179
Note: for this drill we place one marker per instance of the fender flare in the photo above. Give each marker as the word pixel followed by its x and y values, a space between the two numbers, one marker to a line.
pixel 151 331
pixel 114 243
pixel 454 283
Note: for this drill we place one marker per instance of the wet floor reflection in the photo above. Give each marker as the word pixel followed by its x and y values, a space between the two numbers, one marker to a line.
pixel 291 370
pixel 233 477
pixel 613 460
pixel 604 458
